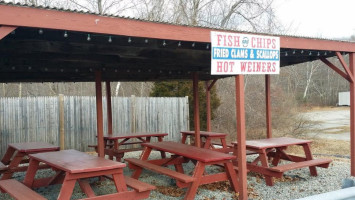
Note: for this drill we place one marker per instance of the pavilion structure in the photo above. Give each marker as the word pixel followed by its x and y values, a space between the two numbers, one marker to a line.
pixel 40 44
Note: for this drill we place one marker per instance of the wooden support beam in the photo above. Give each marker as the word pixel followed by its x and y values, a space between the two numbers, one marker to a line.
pixel 5 30
pixel 196 110
pixel 208 103
pixel 352 115
pixel 208 107
pixel 268 106
pixel 345 66
pixel 109 107
pixel 99 115
pixel 241 151
pixel 335 68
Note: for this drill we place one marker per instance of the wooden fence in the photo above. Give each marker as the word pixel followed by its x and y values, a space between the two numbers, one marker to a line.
pixel 37 119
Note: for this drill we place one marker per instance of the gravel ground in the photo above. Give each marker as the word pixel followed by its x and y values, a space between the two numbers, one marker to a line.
pixel 295 184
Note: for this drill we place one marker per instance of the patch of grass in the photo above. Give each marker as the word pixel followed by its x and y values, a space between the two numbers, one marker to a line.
pixel 324 147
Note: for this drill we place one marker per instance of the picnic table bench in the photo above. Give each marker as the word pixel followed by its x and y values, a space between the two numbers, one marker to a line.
pixel 275 148
pixel 72 166
pixel 182 153
pixel 207 140
pixel 116 144
pixel 16 154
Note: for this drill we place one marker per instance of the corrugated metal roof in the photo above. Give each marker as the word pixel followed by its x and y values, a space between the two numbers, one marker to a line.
pixel 162 22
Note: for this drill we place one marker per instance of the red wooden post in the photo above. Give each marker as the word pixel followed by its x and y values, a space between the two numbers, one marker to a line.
pixel 109 107
pixel 196 110
pixel 240 116
pixel 99 115
pixel 352 114
pixel 208 102
pixel 268 106
pixel 208 106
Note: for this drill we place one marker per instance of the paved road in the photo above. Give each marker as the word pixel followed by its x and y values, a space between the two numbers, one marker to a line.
pixel 333 123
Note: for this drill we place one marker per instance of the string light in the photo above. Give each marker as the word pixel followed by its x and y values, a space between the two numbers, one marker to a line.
pixel 294 51
pixel 146 41
pixel 65 34
pixel 179 44
pixel 302 51
pixel 286 54
pixel 208 46
pixel 318 54
pixel 310 53
pixel 164 43
pixel 88 38
pixel 325 53
pixel 193 45
pixel 129 40
pixel 109 39
pixel 40 31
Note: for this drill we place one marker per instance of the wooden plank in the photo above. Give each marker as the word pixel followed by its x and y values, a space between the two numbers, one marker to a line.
pixel 192 152
pixel 321 162
pixel 138 185
pixel 162 170
pixel 19 191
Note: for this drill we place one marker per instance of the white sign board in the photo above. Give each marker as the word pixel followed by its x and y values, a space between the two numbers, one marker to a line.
pixel 234 53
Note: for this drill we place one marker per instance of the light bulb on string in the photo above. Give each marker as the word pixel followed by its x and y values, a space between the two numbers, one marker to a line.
pixel 146 41
pixel 109 39
pixel 193 45
pixel 179 44
pixel 88 38
pixel 40 31
pixel 207 46
pixel 65 34
pixel 164 43
pixel 129 40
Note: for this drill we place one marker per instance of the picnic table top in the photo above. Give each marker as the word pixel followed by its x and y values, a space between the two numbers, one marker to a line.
pixel 188 151
pixel 74 161
pixel 32 147
pixel 132 135
pixel 205 133
pixel 274 142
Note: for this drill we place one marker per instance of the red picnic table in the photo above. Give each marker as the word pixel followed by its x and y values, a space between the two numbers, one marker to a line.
pixel 114 143
pixel 16 153
pixel 182 153
pixel 206 138
pixel 73 166
pixel 275 148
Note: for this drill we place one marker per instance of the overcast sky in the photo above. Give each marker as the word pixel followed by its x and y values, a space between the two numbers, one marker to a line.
pixel 317 18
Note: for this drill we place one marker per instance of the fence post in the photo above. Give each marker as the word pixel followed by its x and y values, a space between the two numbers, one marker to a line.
pixel 61 122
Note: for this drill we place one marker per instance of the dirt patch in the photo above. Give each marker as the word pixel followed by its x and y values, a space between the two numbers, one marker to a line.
pixel 336 130
pixel 330 108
